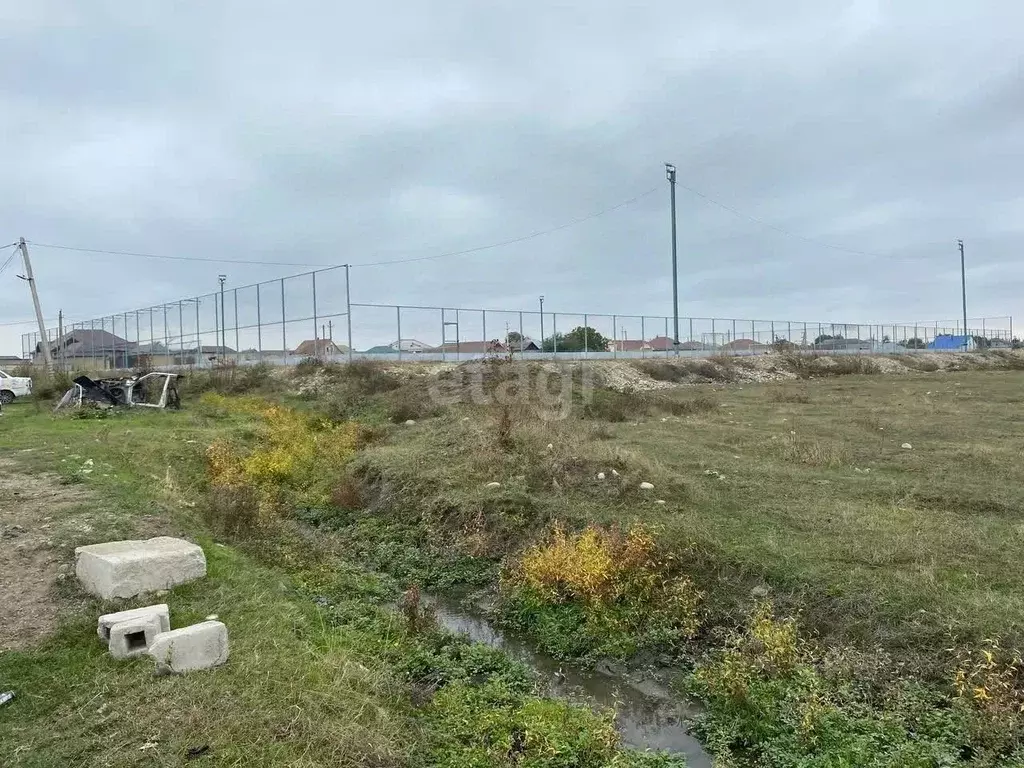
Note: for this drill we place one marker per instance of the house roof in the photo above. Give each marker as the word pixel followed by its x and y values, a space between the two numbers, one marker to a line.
pixel 381 349
pixel 318 347
pixel 661 343
pixel 86 342
pixel 744 344
pixel 471 347
pixel 630 345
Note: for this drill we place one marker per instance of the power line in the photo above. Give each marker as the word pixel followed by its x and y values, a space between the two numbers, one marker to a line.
pixel 778 229
pixel 10 258
pixel 174 258
pixel 514 240
pixel 477 249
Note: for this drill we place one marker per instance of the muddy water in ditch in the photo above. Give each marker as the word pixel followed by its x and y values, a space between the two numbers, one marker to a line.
pixel 648 715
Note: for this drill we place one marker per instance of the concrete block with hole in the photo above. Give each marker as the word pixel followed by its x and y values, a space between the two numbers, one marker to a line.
pixel 134 637
pixel 130 568
pixel 200 646
pixel 108 620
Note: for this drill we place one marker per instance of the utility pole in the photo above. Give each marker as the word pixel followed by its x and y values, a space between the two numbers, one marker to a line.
pixel 963 289
pixel 44 343
pixel 670 172
pixel 330 330
pixel 223 328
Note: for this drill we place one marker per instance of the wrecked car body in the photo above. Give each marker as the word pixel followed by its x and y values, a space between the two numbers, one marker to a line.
pixel 148 390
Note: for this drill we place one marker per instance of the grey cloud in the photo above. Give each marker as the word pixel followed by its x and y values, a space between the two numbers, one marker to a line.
pixel 320 133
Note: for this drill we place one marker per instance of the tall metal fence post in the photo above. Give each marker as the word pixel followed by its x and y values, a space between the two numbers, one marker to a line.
pixel 643 336
pixel 690 338
pixel 167 338
pixel 398 314
pixel 316 327
pixel 586 340
pixel 615 336
pixel 284 327
pixel 199 339
pixel 259 324
pixel 181 334
pixel 348 312
pixel 521 342
pixel 483 320
pixel 668 347
pixel 554 332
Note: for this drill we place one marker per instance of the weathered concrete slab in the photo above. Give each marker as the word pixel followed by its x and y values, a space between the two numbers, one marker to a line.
pixel 134 637
pixel 107 620
pixel 130 568
pixel 200 646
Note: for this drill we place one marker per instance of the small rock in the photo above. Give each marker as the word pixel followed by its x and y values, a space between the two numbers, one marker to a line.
pixel 410 422
pixel 907 446
pixel 615 473
pixel 792 432
pixel 87 463
pixel 162 593
pixel 659 501
pixel 600 475
pixel 464 418
pixel 212 617
pixel 735 457
pixel 645 486
pixel 664 420
pixel 321 601
pixel 493 484
pixel 12 531
pixel 760 592
pixel 551 447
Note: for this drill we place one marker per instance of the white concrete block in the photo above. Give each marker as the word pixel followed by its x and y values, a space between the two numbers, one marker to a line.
pixel 107 620
pixel 200 646
pixel 129 568
pixel 134 637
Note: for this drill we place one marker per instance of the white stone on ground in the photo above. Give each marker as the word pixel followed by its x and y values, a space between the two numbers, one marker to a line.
pixel 107 620
pixel 551 446
pixel 645 486
pixel 134 637
pixel 200 646
pixel 493 484
pixel 410 422
pixel 129 568
pixel 615 473
pixel 659 501
pixel 600 475
pixel 908 446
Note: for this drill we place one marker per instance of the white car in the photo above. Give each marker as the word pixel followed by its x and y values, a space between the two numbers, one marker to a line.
pixel 13 386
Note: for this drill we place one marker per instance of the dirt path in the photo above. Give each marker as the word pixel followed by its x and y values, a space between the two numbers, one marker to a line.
pixel 29 562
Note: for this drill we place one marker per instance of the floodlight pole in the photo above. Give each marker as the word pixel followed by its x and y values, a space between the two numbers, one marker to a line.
pixel 670 172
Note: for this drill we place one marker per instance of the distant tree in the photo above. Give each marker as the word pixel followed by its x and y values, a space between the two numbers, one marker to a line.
pixel 886 339
pixel 915 343
pixel 980 342
pixel 1015 343
pixel 577 340
pixel 513 338
pixel 554 343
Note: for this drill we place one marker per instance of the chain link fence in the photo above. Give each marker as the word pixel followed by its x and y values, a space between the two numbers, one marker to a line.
pixel 311 315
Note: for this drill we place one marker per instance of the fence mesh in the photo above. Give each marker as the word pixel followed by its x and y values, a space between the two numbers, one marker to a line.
pixel 290 319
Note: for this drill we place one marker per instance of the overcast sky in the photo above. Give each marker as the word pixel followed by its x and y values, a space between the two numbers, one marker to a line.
pixel 325 132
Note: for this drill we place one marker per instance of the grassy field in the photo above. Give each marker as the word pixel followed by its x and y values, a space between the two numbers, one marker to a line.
pixel 815 582
pixel 802 487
